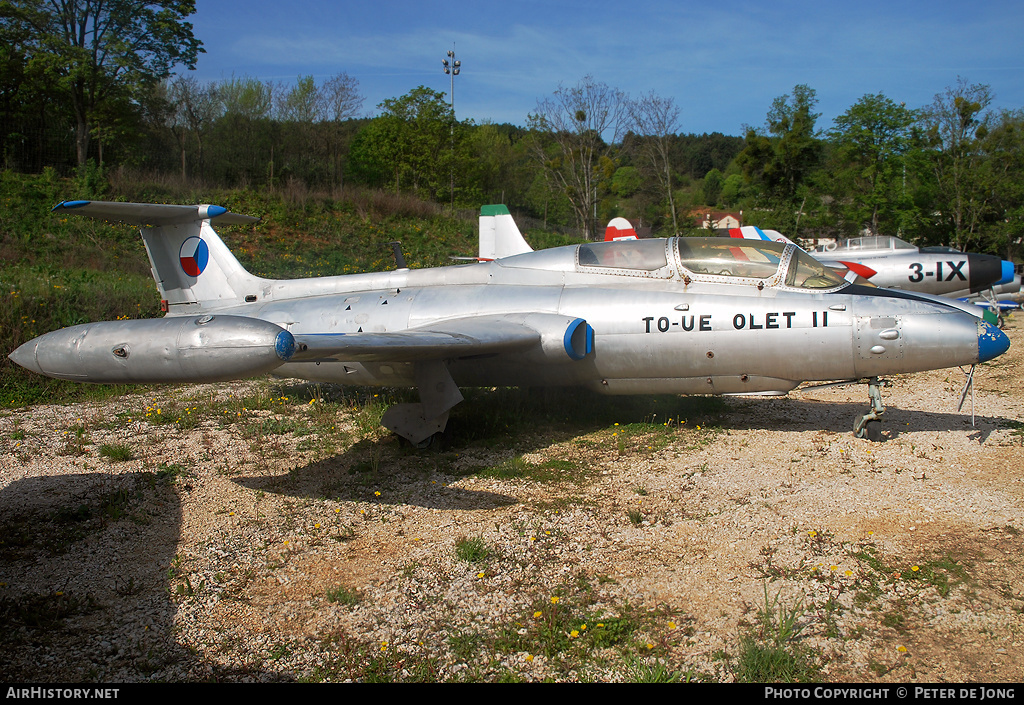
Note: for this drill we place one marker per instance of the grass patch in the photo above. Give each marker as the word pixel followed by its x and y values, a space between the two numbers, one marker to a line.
pixel 770 652
pixel 943 573
pixel 116 452
pixel 472 549
pixel 343 595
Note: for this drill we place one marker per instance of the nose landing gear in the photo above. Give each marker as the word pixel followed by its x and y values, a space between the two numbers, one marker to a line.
pixel 870 425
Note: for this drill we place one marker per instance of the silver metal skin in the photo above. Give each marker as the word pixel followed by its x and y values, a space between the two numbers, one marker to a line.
pixel 680 315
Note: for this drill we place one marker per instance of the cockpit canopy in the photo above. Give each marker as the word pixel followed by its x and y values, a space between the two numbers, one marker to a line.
pixel 717 257
pixel 872 243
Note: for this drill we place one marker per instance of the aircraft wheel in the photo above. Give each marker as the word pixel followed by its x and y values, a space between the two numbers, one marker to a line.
pixel 873 431
pixel 438 442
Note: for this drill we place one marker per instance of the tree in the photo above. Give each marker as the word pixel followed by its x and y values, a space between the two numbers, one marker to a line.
pixel 342 102
pixel 779 163
pixel 341 97
pixel 410 141
pixel 98 52
pixel 191 112
pixel 871 141
pixel 304 103
pixel 570 129
pixel 1002 177
pixel 656 121
pixel 712 187
pixel 956 124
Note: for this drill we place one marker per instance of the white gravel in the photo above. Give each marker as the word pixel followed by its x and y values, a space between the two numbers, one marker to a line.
pixel 220 569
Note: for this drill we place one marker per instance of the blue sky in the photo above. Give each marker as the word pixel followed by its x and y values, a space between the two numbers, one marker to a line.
pixel 723 62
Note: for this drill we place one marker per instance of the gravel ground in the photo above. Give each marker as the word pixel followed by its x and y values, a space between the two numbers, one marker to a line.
pixel 287 542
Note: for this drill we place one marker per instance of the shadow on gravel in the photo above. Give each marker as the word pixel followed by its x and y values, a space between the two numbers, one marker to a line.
pixel 802 414
pixel 492 429
pixel 88 582
pixel 335 478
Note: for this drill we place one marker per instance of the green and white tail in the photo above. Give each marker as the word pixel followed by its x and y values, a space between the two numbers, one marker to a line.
pixel 499 235
pixel 193 268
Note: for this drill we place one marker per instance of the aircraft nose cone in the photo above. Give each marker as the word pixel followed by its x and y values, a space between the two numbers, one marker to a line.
pixel 25 356
pixel 992 342
pixel 1007 273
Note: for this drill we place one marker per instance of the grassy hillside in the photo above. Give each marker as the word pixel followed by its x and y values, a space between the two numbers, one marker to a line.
pixel 57 271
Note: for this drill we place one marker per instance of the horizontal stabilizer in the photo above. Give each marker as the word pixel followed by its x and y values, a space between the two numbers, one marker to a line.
pixel 192 267
pixel 152 214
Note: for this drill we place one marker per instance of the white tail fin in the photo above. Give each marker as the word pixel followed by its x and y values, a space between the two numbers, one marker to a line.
pixel 193 268
pixel 499 236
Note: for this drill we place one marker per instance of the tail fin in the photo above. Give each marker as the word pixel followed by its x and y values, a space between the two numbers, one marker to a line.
pixel 193 268
pixel 499 236
pixel 619 229
pixel 752 232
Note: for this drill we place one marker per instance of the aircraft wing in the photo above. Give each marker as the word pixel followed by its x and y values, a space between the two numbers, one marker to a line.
pixel 463 337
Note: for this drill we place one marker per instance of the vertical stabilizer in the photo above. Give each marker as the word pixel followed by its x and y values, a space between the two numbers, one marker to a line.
pixel 619 229
pixel 193 268
pixel 499 235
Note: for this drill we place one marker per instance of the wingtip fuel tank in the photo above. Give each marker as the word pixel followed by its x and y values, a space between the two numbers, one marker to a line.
pixel 162 350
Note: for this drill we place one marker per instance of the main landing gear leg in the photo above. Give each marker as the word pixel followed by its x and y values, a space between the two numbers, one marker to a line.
pixel 870 425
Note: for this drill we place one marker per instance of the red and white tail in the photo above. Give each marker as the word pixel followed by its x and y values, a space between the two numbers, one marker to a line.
pixel 619 229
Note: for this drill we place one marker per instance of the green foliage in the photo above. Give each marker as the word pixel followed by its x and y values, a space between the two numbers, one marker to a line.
pixel 772 654
pixel 96 58
pixel 870 144
pixel 116 452
pixel 781 162
pixel 343 595
pixel 472 549
pixel 412 144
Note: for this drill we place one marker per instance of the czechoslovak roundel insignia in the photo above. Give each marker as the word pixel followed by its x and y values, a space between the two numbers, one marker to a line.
pixel 194 255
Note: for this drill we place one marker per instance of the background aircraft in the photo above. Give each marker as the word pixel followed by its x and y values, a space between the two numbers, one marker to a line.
pixel 895 264
pixel 676 315
pixel 889 262
pixel 619 229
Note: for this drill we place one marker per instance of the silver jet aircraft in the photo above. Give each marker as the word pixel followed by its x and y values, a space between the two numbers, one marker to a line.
pixel 895 264
pixel 676 315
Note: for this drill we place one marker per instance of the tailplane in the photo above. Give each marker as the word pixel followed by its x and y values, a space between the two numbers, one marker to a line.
pixel 499 235
pixel 193 268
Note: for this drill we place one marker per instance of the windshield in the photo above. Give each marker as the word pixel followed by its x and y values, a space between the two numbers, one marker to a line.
pixel 805 272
